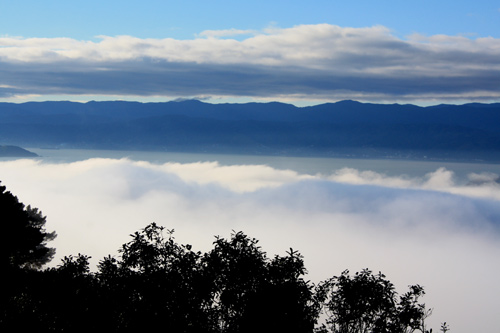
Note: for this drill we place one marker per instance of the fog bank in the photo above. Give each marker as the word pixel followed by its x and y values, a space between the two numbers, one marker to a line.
pixel 428 230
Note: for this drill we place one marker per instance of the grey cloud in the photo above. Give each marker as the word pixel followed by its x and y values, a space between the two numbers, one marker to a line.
pixel 323 61
pixel 179 79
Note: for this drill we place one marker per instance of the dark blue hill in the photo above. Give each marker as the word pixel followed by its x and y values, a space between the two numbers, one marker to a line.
pixel 14 151
pixel 332 129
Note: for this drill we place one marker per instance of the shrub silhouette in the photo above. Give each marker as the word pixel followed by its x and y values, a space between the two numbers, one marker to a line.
pixel 369 303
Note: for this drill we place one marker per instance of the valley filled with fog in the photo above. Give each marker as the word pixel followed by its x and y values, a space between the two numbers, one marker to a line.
pixel 429 223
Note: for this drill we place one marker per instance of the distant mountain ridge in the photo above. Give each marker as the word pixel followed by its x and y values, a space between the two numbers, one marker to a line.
pixel 346 128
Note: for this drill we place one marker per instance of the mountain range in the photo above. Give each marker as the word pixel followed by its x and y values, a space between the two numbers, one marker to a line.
pixel 346 128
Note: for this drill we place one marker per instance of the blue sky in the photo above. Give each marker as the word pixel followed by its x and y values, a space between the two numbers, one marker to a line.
pixel 422 53
pixel 185 19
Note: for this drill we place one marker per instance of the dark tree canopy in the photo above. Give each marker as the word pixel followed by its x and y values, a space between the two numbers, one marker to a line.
pixel 232 288
pixel 368 303
pixel 156 283
pixel 24 244
pixel 257 294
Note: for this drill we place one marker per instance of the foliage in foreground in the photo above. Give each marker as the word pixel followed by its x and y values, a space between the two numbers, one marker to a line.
pixel 369 303
pixel 24 244
pixel 158 283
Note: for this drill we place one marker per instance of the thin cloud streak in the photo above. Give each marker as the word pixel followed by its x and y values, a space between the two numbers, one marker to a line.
pixel 412 229
pixel 321 61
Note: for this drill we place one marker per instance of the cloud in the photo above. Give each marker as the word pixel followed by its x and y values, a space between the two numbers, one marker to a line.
pixel 413 229
pixel 197 98
pixel 225 33
pixel 481 185
pixel 303 62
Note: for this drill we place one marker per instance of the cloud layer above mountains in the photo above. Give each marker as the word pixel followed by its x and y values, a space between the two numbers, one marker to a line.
pixel 428 230
pixel 315 62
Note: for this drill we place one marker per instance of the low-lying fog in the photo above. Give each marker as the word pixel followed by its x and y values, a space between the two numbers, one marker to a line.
pixel 430 230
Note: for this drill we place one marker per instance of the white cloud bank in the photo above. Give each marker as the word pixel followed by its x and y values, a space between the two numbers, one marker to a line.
pixel 415 230
pixel 303 62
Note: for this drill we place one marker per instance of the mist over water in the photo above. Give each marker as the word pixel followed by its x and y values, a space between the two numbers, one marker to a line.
pixel 431 223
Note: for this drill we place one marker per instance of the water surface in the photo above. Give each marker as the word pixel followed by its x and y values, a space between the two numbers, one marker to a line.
pixel 303 165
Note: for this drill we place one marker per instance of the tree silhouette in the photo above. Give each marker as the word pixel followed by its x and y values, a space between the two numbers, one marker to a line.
pixel 255 294
pixel 156 283
pixel 24 244
pixel 232 288
pixel 23 251
pixel 366 303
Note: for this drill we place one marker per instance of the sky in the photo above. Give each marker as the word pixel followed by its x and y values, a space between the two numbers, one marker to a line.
pixel 429 229
pixel 292 51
